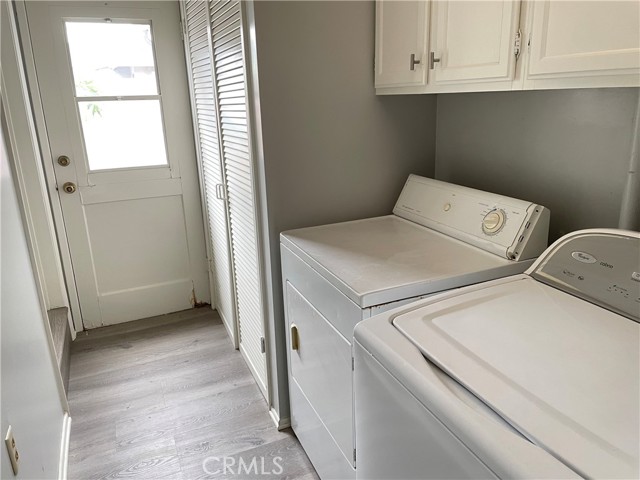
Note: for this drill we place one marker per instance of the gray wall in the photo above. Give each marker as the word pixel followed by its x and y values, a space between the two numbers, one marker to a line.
pixel 333 151
pixel 565 149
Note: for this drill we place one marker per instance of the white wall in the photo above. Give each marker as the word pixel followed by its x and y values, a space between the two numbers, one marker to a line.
pixel 333 150
pixel 565 149
pixel 30 391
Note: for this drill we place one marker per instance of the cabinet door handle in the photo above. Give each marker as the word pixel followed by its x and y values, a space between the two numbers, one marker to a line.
pixel 413 62
pixel 433 60
pixel 295 337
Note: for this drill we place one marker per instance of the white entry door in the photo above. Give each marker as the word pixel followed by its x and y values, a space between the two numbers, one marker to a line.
pixel 113 85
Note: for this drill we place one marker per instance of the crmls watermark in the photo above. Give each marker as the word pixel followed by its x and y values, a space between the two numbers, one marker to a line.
pixel 241 466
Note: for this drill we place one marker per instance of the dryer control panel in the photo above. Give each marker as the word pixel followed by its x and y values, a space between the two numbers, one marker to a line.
pixel 508 227
pixel 602 267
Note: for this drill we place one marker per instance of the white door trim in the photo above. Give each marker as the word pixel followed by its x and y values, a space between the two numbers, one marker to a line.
pixel 63 463
pixel 203 203
pixel 44 243
pixel 47 163
pixel 276 368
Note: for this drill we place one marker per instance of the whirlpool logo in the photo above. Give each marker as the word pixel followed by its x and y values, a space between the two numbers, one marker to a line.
pixel 240 466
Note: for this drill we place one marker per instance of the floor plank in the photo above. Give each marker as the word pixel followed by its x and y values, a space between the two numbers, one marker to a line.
pixel 169 397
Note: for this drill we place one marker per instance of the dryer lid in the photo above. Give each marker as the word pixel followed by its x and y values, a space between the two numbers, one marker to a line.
pixel 564 372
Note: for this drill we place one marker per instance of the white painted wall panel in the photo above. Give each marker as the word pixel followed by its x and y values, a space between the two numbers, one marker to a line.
pixel 30 401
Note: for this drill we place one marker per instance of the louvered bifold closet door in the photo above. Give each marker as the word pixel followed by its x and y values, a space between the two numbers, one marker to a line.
pixel 230 84
pixel 197 40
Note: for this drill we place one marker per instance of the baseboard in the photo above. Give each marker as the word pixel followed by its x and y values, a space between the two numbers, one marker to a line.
pixel 72 329
pixel 280 423
pixel 227 327
pixel 63 464
pixel 62 337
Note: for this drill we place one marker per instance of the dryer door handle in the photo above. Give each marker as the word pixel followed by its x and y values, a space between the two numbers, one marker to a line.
pixel 295 337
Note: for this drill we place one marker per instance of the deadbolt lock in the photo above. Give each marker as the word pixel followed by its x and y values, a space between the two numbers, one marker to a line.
pixel 69 187
pixel 63 160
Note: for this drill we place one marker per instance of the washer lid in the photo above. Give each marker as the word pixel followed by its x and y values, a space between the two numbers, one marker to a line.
pixel 564 372
pixel 384 259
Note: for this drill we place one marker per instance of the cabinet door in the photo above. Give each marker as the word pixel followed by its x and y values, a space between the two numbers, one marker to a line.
pixel 473 40
pixel 584 38
pixel 401 43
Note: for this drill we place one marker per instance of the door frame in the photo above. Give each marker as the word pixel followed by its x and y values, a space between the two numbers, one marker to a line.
pixel 254 137
pixel 33 188
pixel 47 164
pixel 275 343
pixel 12 82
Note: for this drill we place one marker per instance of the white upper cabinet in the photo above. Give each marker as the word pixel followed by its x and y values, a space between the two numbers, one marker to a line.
pixel 401 43
pixel 585 38
pixel 473 40
pixel 484 45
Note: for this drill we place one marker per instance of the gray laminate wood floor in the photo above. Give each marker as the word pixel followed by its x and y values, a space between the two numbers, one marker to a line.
pixel 159 397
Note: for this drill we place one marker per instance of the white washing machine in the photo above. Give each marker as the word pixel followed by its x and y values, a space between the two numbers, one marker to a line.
pixel 440 237
pixel 532 376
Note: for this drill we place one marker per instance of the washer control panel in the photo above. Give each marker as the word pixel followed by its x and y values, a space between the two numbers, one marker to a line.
pixel 603 268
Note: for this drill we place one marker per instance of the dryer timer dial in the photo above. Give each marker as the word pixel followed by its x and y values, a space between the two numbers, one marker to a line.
pixel 493 221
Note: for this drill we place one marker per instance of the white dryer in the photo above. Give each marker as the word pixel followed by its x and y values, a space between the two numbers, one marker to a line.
pixel 532 376
pixel 440 237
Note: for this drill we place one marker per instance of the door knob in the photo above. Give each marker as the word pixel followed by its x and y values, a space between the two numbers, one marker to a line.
pixel 69 187
pixel 63 160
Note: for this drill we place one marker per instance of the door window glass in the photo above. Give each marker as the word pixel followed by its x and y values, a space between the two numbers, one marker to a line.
pixel 116 92
pixel 112 59
pixel 123 133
